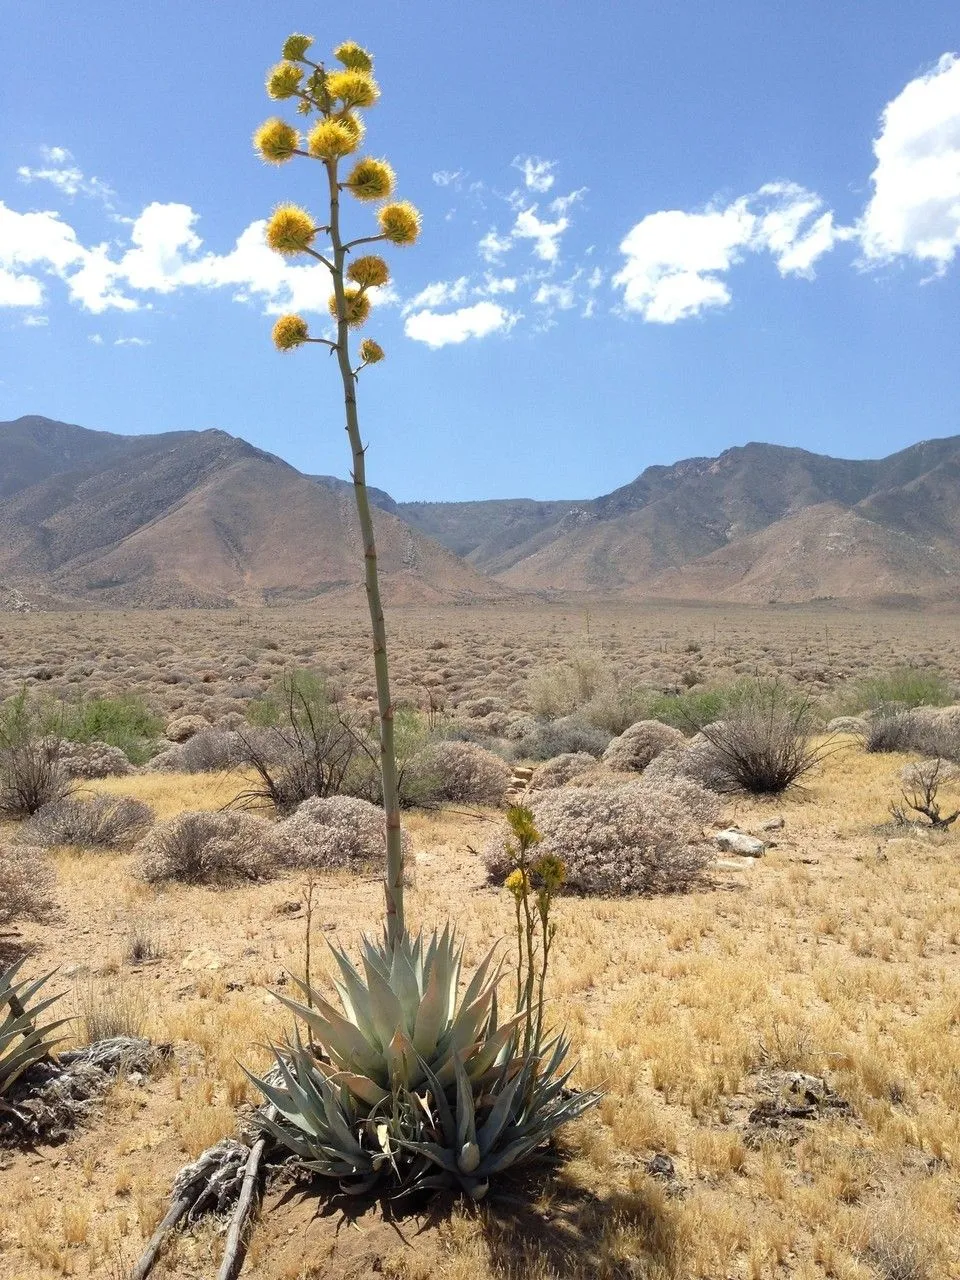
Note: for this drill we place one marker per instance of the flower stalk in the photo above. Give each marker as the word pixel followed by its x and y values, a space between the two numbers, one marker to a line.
pixel 335 97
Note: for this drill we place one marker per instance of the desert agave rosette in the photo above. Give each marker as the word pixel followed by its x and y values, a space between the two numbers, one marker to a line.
pixel 23 1040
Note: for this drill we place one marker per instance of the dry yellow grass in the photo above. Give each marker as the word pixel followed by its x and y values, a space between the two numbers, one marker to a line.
pixel 838 954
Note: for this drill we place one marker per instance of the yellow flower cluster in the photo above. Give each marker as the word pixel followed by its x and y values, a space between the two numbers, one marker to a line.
pixel 368 271
pixel 290 229
pixel 283 80
pixel 370 352
pixel 371 179
pixel 290 332
pixel 356 306
pixel 352 88
pixel 353 56
pixel 399 222
pixel 296 46
pixel 276 140
pixel 331 138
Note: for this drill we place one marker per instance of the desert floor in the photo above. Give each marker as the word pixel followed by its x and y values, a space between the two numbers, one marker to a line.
pixel 836 954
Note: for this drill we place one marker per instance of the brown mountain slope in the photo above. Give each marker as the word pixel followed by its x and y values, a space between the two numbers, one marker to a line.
pixel 823 552
pixel 194 518
pixel 692 528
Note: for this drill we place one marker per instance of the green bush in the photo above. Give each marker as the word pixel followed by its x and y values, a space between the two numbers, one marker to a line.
pixel 126 722
pixel 904 687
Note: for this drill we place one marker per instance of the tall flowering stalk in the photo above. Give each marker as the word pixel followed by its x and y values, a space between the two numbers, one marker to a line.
pixel 334 99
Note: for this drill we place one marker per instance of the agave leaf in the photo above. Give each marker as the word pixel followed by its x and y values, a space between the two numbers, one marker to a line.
pixel 446 1117
pixel 476 983
pixel 466 1114
pixel 385 1009
pixel 357 1002
pixel 497 1161
pixel 403 983
pixel 361 1087
pixel 494 1125
pixel 492 1046
pixel 341 1038
pixel 402 1062
pixel 433 1152
pixel 430 1018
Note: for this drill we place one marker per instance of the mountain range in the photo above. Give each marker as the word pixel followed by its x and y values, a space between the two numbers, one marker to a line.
pixel 205 519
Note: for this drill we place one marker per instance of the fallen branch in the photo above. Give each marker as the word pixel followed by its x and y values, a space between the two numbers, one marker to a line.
pixel 235 1250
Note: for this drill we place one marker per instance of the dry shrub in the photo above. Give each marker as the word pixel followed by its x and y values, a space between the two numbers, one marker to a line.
pixel 563 737
pixel 340 831
pixel 561 689
pixel 30 777
pixel 210 750
pixel 104 822
pixel 638 745
pixel 183 728
pixel 561 769
pixel 764 743
pixel 696 761
pixel 299 761
pixel 930 731
pixel 92 760
pixel 210 848
pixel 625 839
pixel 26 881
pixel 463 772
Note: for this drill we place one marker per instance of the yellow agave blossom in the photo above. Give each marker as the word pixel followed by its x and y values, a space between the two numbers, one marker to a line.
pixel 352 123
pixel 283 80
pixel 399 222
pixel 330 138
pixel 276 141
pixel 353 56
pixel 371 179
pixel 368 271
pixel 290 229
pixel 356 306
pixel 296 46
pixel 290 332
pixel 370 352
pixel 352 88
pixel 517 882
pixel 551 871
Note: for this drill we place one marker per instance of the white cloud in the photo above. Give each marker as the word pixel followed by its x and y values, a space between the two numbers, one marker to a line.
pixel 562 203
pixel 34 321
pixel 437 295
pixel 494 285
pixel 439 330
pixel 65 176
pixel 18 289
pixel 131 342
pixel 96 339
pixel 676 261
pixel 545 235
pixel 445 177
pixel 493 246
pixel 561 296
pixel 537 174
pixel 915 207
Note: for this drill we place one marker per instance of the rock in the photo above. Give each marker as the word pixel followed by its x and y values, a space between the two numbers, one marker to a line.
pixel 775 824
pixel 731 841
pixel 660 1166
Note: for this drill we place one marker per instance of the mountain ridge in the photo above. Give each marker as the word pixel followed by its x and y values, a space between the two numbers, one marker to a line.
pixel 207 518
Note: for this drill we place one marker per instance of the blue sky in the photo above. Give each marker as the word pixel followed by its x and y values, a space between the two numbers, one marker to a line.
pixel 650 231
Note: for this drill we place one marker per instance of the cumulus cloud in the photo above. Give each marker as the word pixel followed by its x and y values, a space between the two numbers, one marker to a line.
pixel 493 246
pixel 545 235
pixel 131 342
pixel 441 329
pixel 915 207
pixel 446 177
pixel 537 174
pixel 676 261
pixel 165 254
pixel 437 295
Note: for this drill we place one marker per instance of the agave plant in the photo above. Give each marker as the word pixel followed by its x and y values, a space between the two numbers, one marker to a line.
pixel 23 1041
pixel 411 1079
pixel 482 1134
pixel 402 1018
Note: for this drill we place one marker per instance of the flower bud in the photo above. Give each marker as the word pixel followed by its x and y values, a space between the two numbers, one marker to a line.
pixel 371 352
pixel 400 222
pixel 368 270
pixel 352 88
pixel 330 138
pixel 290 332
pixel 356 306
pixel 290 229
pixel 295 46
pixel 283 80
pixel 371 179
pixel 353 56
pixel 276 141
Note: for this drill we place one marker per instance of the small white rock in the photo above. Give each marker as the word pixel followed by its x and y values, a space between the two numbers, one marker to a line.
pixel 731 841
